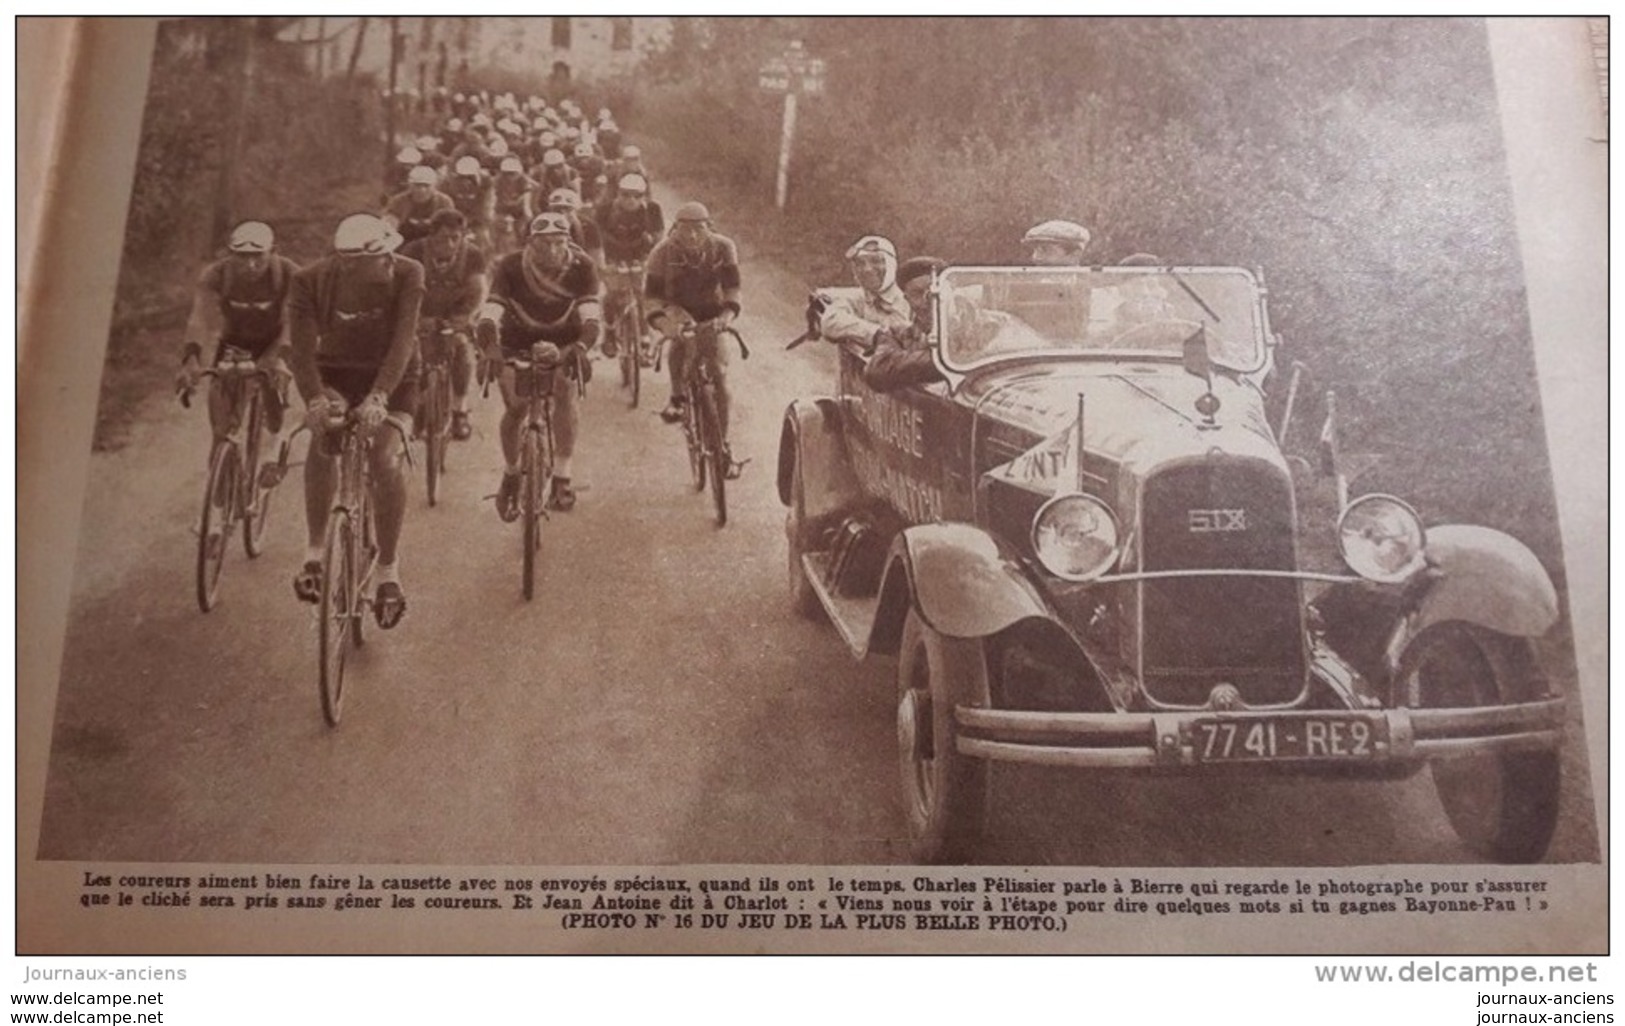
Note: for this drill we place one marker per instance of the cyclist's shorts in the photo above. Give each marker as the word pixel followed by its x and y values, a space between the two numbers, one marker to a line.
pixel 353 383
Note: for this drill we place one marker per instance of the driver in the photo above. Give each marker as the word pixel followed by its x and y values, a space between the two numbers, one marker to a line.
pixel 1056 244
pixel 901 355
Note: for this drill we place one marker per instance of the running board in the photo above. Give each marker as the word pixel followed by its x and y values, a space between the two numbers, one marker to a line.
pixel 854 617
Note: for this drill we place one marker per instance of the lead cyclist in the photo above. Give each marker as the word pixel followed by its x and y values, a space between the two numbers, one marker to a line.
pixel 692 277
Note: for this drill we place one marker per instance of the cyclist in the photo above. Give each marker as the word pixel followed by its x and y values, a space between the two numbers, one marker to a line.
pixel 583 231
pixel 629 226
pixel 555 173
pixel 545 292
pixel 471 191
pixel 454 286
pixel 589 168
pixel 413 211
pixel 353 319
pixel 878 304
pixel 692 276
pixel 240 303
pixel 397 178
pixel 512 198
pixel 1056 244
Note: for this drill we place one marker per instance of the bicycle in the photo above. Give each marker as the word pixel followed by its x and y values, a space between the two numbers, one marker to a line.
pixel 349 559
pixel 438 347
pixel 708 456
pixel 237 489
pixel 534 379
pixel 629 331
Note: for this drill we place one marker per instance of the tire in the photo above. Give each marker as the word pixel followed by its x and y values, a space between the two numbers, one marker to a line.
pixel 532 493
pixel 803 599
pixel 363 561
pixel 1502 805
pixel 434 451
pixel 711 448
pixel 220 500
pixel 256 500
pixel 339 612
pixel 696 444
pixel 944 792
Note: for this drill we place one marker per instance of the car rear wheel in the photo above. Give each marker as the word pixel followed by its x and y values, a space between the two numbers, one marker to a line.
pixel 1502 805
pixel 944 792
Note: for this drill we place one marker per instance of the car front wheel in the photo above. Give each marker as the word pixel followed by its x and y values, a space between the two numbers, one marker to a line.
pixel 1502 805
pixel 944 792
pixel 803 600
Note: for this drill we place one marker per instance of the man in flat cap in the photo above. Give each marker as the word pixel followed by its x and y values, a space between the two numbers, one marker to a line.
pixel 901 356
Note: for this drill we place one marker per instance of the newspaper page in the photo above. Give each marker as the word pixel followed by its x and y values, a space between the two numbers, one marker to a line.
pixel 1099 707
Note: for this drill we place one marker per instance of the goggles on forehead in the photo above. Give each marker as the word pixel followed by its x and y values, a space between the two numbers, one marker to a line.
pixel 871 244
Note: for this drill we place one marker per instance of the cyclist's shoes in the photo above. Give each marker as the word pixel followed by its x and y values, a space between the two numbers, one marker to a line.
pixel 563 498
pixel 673 413
pixel 610 347
pixel 460 427
pixel 508 498
pixel 731 467
pixel 307 583
pixel 388 604
pixel 271 474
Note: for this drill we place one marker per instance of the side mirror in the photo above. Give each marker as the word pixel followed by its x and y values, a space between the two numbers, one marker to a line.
pixel 1198 363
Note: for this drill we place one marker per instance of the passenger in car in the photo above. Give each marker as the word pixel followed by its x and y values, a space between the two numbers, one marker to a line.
pixel 877 304
pixel 901 355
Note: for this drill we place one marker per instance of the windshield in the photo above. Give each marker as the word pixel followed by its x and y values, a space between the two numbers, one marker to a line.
pixel 987 314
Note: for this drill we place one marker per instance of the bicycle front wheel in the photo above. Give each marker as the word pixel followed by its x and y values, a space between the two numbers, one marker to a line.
pixel 434 452
pixel 632 348
pixel 340 611
pixel 715 463
pixel 256 499
pixel 532 492
pixel 220 500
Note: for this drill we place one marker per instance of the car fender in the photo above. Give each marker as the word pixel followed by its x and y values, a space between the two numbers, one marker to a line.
pixel 1489 578
pixel 812 445
pixel 964 584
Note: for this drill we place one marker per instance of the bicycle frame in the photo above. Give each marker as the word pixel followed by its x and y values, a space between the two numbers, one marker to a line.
pixel 534 381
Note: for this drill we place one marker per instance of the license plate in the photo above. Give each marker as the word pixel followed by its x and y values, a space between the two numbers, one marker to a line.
pixel 1288 738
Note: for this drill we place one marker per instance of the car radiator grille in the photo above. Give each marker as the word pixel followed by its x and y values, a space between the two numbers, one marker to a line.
pixel 1196 632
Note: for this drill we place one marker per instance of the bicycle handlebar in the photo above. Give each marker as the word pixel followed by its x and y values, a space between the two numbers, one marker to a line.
pixel 243 368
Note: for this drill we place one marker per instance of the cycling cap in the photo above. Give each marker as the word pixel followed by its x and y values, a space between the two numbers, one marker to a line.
pixel 571 132
pixel 408 155
pixel 553 158
pixel 917 267
pixel 427 142
pixel 603 114
pixel 692 212
pixel 633 183
pixel 365 234
pixel 631 152
pixel 549 224
pixel 872 244
pixel 564 198
pixel 511 164
pixel 1064 232
pixel 548 140
pixel 422 175
pixel 498 147
pixel 251 237
pixel 468 165
pixel 455 124
pixel 584 150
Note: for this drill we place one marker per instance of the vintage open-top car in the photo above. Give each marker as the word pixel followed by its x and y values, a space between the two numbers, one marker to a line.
pixel 1083 548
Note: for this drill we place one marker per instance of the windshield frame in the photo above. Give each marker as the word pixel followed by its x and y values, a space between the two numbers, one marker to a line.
pixel 1188 279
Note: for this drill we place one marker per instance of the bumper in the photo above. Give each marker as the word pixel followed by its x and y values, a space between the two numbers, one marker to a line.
pixel 1188 738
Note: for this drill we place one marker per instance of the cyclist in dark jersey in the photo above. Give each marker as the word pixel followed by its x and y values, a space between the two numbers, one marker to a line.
pixel 240 303
pixel 628 226
pixel 454 285
pixel 546 292
pixel 693 276
pixel 412 211
pixel 353 317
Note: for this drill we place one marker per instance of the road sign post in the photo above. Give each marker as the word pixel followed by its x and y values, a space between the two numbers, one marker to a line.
pixel 792 74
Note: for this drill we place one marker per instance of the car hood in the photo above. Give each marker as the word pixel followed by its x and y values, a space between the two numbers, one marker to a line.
pixel 1138 417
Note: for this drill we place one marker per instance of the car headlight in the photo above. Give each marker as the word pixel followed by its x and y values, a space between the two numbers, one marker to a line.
pixel 1075 537
pixel 1381 538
